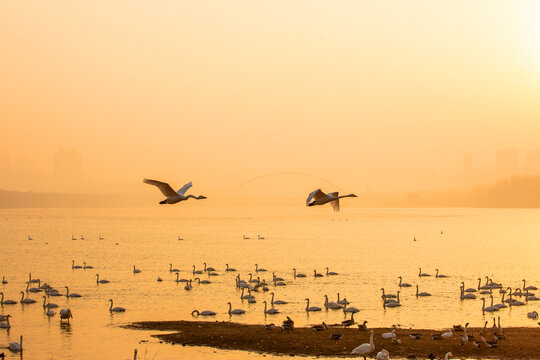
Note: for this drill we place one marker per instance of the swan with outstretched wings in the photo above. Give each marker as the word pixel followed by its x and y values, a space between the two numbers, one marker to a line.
pixel 320 198
pixel 173 196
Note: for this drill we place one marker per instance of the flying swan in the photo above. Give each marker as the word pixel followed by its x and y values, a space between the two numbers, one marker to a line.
pixel 320 198
pixel 172 196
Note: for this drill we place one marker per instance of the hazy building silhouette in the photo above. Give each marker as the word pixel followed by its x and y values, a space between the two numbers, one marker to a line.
pixel 533 162
pixel 468 170
pixel 506 163
pixel 67 170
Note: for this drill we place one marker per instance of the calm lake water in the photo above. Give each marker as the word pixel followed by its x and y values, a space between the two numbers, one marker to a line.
pixel 369 248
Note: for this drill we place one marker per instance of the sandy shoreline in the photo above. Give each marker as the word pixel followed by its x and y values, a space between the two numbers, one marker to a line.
pixel 520 343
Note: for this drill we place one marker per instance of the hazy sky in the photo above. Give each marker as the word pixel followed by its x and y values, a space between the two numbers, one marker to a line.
pixel 369 95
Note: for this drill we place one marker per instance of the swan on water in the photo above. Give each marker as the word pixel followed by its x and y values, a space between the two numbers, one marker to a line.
pixel 439 276
pixel 300 275
pixel 16 346
pixel 331 305
pixel 489 308
pixel 469 290
pixel 203 313
pixel 204 282
pixel 172 270
pixel 403 284
pixel 48 305
pixel 208 268
pixel 342 302
pixel 351 309
pixel 464 296
pixel 229 269
pixel 135 270
pixel 87 266
pixel 532 315
pixel 188 286
pixel 422 293
pixel 72 295
pixel 277 302
pixel 525 288
pixel 32 289
pixel 330 272
pixel 102 281
pixel 316 274
pixel 198 272
pixel 4 321
pixel 4 281
pixel 311 308
pixel 27 300
pixel 73 266
pixel 270 311
pixel 235 311
pixel 257 269
pixel 6 302
pixel 421 274
pixel 65 314
pixel 387 296
pixel 365 348
pixel 180 280
pixel 115 309
pixel 320 198
pixel 172 196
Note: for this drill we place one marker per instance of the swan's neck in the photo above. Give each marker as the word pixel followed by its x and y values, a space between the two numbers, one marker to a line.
pixel 110 308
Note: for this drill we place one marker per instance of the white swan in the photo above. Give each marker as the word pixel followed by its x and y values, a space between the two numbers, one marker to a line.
pixel 532 315
pixel 391 303
pixel 447 355
pixel 351 309
pixel 422 293
pixel 464 296
pixel 172 196
pixel 229 269
pixel 203 313
pixel 342 302
pixel 257 269
pixel 6 302
pixel 489 308
pixel 439 276
pixel 421 274
pixel 115 309
pixel 389 335
pixel 365 348
pixel 5 322
pixel 320 198
pixel 331 305
pixel 49 305
pixel 278 302
pixel 330 272
pixel 135 270
pixel 300 275
pixel 235 311
pixel 383 355
pixel 311 308
pixel 27 300
pixel 270 311
pixel 16 346
pixel 65 314
pixel 102 281
pixel 403 284
pixel 72 295
pixel 447 334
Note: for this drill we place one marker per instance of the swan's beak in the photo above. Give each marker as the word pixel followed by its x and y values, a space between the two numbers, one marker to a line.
pixel 311 204
pixel 163 202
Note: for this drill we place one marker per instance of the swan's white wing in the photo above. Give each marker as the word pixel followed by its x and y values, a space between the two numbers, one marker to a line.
pixel 165 188
pixel 317 195
pixel 335 203
pixel 184 188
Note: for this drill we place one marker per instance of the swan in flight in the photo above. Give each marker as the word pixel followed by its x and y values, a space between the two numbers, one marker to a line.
pixel 115 309
pixel 320 198
pixel 172 196
pixel 366 348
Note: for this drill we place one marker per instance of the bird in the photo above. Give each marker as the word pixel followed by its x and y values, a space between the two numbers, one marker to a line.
pixel 363 326
pixel 115 309
pixel 447 334
pixel 102 281
pixel 320 327
pixel 300 275
pixel 331 305
pixel 389 335
pixel 172 196
pixel 188 286
pixel 383 355
pixel 348 322
pixel 278 302
pixel 235 311
pixel 365 348
pixel 351 309
pixel 6 302
pixel 330 272
pixel 87 266
pixel 26 301
pixel 72 295
pixel 48 305
pixel 403 284
pixel 65 314
pixel 229 268
pixel 320 198
pixel 415 336
pixel 532 315
pixel 439 276
pixel 73 266
pixel 135 270
pixel 260 237
pixel 312 308
pixel 16 346
pixel 208 268
pixel 257 269
pixel 270 311
pixel 421 274
pixel 525 288
pixel 4 281
pixel 203 313
pixel 447 355
pixel 464 337
pixel 4 321
pixel 204 282
pixel 316 274
pixel 422 293
pixel 171 269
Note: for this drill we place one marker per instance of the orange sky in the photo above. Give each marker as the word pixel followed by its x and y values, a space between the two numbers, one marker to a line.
pixel 369 95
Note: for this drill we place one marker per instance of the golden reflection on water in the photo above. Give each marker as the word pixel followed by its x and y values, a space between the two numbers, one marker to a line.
pixel 369 248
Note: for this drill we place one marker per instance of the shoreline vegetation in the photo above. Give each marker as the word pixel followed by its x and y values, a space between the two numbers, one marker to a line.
pixel 514 192
pixel 520 342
